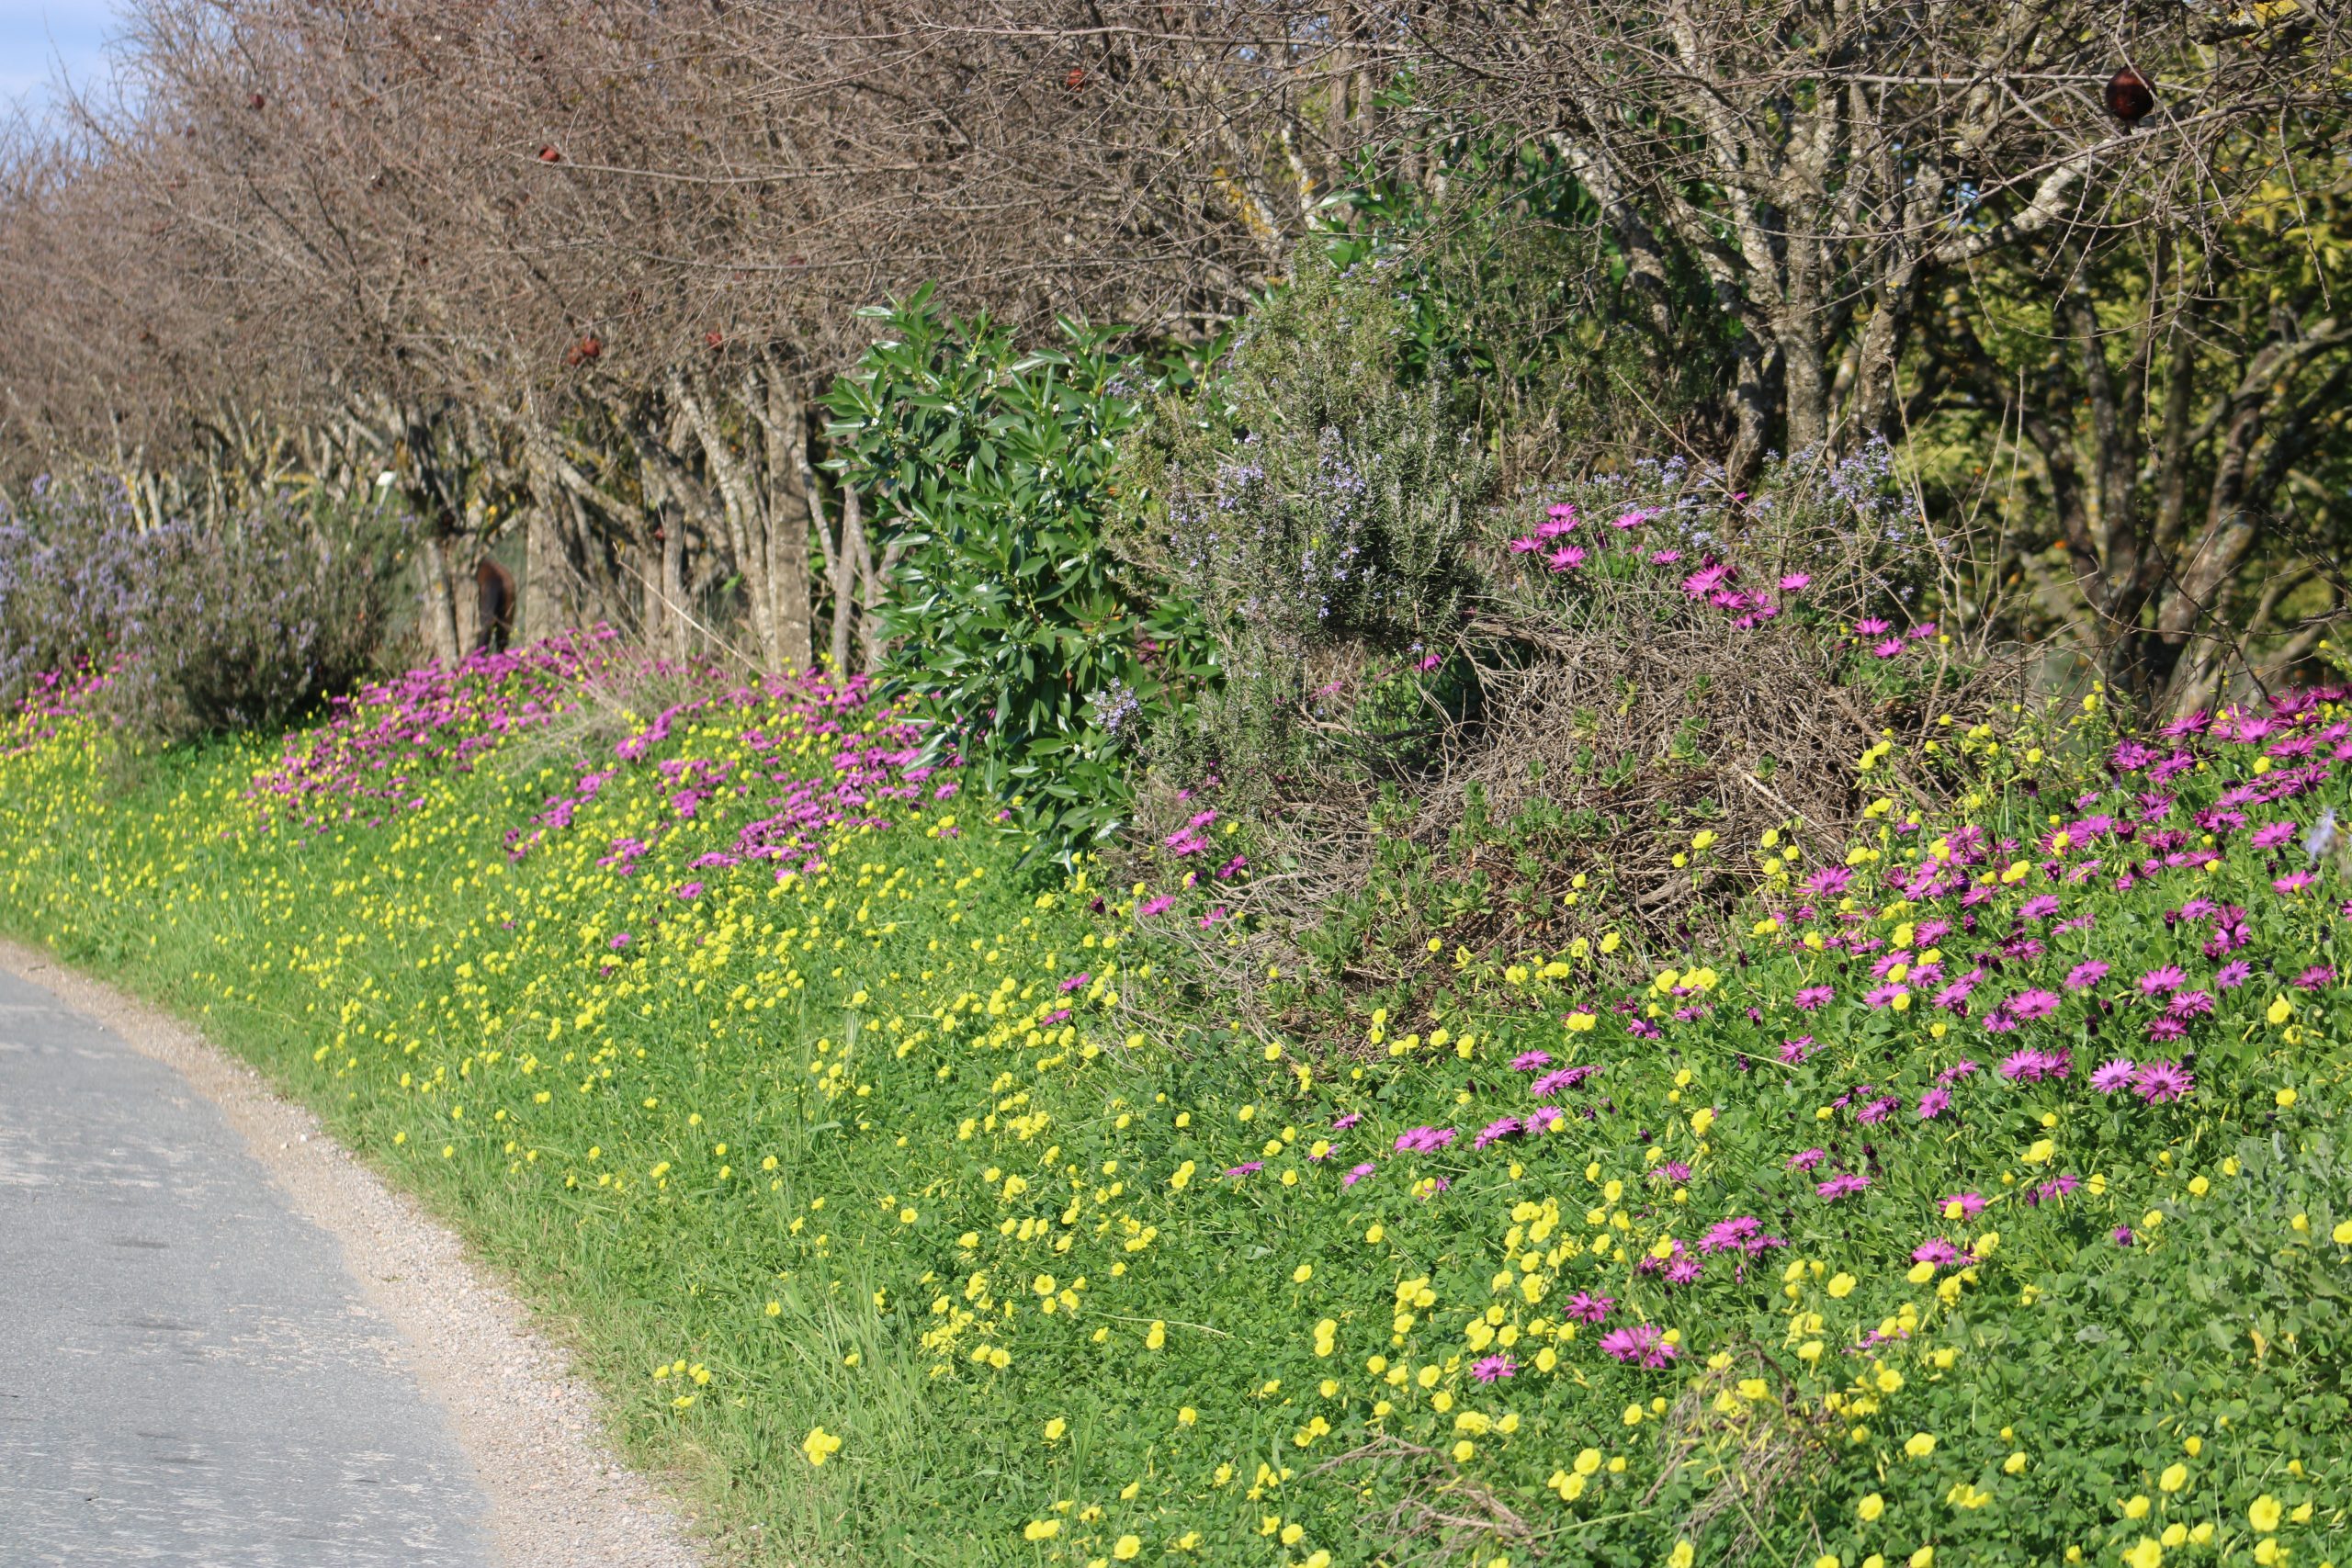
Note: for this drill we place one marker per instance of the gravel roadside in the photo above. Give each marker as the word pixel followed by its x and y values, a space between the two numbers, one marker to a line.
pixel 523 1421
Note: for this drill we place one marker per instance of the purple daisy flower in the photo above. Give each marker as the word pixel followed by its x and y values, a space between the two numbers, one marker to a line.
pixel 1587 1308
pixel 2159 1083
pixel 2030 1005
pixel 2113 1078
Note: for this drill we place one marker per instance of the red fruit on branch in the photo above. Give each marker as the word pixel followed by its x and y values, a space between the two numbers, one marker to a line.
pixel 714 338
pixel 549 155
pixel 1076 79
pixel 581 353
pixel 2129 96
pixel 256 101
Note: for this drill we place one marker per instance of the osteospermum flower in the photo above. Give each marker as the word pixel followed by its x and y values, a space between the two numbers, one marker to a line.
pixel 1493 1368
pixel 2165 978
pixel 1587 1308
pixel 2112 1076
pixel 1812 997
pixel 1843 1186
pixel 2086 974
pixel 1563 1078
pixel 2162 1082
pixel 1494 1130
pixel 1640 1342
pixel 2030 1005
pixel 1529 1060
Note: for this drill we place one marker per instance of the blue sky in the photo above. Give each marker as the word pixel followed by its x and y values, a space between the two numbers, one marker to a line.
pixel 38 36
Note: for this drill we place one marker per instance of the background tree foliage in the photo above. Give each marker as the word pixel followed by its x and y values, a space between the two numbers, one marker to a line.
pixel 568 285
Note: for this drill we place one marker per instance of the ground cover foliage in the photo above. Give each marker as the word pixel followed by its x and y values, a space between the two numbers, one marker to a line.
pixel 1984 1201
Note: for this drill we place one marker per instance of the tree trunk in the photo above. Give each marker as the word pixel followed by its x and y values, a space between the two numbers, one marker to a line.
pixel 788 489
pixel 439 622
pixel 846 554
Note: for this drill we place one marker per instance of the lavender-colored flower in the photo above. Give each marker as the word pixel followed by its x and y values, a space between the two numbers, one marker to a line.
pixel 2159 1083
pixel 2113 1076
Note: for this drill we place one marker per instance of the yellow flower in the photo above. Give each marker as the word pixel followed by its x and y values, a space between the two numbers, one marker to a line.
pixel 1127 1547
pixel 1920 1445
pixel 2264 1513
pixel 2146 1555
pixel 1683 1556
pixel 1055 1428
pixel 1923 1557
pixel 1872 1507
pixel 1841 1285
pixel 820 1445
pixel 2174 1477
pixel 1041 1529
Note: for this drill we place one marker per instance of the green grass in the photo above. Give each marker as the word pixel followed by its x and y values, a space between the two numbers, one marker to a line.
pixel 934 1161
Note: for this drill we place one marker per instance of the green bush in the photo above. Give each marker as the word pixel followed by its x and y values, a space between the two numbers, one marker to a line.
pixel 989 470
pixel 1320 505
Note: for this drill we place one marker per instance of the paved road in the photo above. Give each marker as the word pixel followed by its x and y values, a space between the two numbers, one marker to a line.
pixel 186 1374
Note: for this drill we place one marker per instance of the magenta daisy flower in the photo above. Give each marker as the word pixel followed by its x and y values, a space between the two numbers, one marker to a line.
pixel 2113 1078
pixel 2159 1083
pixel 2086 974
pixel 1493 1368
pixel 2166 977
pixel 2032 1005
pixel 1587 1308
pixel 1529 1060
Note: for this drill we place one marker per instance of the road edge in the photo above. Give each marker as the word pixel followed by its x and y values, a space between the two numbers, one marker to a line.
pixel 527 1422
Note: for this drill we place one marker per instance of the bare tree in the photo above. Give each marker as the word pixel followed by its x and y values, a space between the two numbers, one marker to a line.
pixel 1827 162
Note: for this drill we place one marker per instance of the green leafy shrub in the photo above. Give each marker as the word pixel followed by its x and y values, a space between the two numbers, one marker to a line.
pixel 989 470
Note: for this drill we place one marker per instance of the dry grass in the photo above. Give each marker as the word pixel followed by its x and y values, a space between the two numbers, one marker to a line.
pixel 1605 728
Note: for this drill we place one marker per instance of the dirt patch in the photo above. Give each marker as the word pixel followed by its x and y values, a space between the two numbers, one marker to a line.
pixel 526 1420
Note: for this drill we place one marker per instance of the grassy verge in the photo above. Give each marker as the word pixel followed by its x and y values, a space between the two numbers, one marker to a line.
pixel 738 1038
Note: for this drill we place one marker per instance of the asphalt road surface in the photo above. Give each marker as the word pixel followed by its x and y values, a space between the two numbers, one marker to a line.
pixel 187 1374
